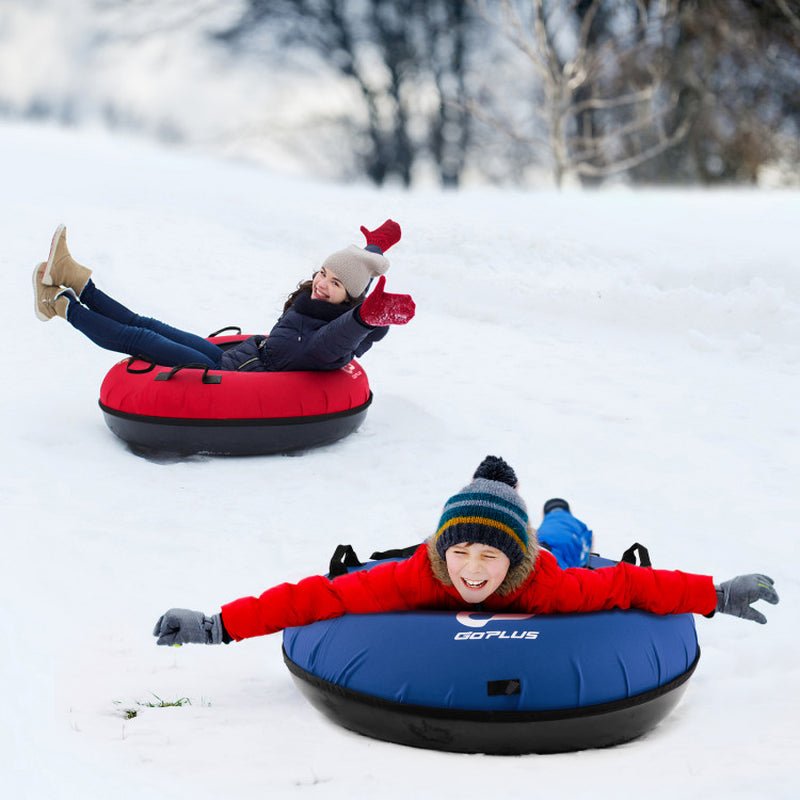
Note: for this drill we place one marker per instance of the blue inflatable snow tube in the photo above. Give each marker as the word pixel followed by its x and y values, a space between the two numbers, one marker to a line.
pixel 495 683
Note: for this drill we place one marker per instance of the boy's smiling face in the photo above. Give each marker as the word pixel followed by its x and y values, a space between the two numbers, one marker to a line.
pixel 476 570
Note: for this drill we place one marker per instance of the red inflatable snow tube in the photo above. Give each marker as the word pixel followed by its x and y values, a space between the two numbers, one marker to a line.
pixel 186 410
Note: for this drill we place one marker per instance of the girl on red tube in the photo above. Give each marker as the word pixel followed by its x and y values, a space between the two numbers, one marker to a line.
pixel 326 322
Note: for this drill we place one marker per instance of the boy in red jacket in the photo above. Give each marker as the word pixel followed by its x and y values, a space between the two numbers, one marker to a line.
pixel 484 555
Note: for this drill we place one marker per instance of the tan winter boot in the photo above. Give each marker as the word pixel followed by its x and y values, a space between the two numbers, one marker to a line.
pixel 48 301
pixel 62 269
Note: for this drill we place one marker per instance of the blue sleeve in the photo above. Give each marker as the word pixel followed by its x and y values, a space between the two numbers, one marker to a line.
pixel 338 340
pixel 375 335
pixel 566 537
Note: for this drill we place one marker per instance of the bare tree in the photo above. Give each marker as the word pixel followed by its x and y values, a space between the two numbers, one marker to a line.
pixel 604 106
pixel 394 52
pixel 737 62
pixel 791 11
pixel 447 32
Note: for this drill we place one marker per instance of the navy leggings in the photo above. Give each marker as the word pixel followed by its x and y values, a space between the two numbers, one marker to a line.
pixel 113 327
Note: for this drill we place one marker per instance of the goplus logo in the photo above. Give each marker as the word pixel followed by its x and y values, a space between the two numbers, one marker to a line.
pixel 466 618
pixel 352 370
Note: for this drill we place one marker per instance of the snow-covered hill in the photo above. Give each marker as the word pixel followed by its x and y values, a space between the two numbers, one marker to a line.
pixel 636 353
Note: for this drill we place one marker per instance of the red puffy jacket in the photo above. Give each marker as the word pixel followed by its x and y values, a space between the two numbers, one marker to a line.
pixel 410 585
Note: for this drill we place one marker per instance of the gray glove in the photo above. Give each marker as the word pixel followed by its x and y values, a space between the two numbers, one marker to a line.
pixel 736 595
pixel 182 626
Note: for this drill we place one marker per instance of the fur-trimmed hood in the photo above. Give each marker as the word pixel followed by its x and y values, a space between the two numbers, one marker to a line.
pixel 515 578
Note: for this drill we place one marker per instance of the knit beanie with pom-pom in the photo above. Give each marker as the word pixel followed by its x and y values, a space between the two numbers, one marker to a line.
pixel 488 511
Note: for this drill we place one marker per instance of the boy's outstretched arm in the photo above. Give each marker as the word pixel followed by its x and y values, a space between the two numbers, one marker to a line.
pixel 736 596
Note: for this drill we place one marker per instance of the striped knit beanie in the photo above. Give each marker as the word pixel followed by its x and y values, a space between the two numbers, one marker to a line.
pixel 487 511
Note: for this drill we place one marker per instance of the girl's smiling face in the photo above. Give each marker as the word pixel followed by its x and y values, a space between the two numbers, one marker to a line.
pixel 476 570
pixel 326 286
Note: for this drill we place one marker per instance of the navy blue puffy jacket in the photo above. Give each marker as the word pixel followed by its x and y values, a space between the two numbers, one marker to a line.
pixel 311 335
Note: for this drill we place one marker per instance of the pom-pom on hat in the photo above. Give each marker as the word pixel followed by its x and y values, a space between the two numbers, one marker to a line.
pixel 356 267
pixel 494 468
pixel 487 511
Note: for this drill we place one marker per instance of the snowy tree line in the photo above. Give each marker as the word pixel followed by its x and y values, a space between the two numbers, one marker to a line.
pixel 653 91
pixel 664 90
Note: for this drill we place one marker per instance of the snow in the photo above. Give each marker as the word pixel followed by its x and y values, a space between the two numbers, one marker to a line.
pixel 634 352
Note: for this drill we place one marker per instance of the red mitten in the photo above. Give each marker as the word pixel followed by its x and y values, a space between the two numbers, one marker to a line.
pixel 383 237
pixel 382 308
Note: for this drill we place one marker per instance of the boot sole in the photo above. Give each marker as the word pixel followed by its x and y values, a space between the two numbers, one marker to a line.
pixel 37 274
pixel 47 280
